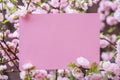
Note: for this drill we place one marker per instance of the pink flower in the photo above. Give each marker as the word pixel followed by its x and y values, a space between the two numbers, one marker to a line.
pixel 77 73
pixel 27 66
pixel 54 3
pixel 95 77
pixel 107 13
pixel 111 20
pixel 11 64
pixel 55 11
pixel 96 1
pixel 62 78
pixel 83 62
pixel 10 18
pixel 102 17
pixel 115 68
pixel 106 56
pixel 45 6
pixel 118 46
pixel 90 3
pixel 85 6
pixel 50 77
pixel 113 38
pixel 35 1
pixel 15 41
pixel 61 71
pixel 106 65
pixel 7 31
pixel 111 67
pixel 22 75
pixel 68 9
pixel 3 77
pixel 14 34
pixel 63 3
pixel 10 5
pixel 39 11
pixel 117 60
pixel 117 15
pixel 102 26
pixel 40 74
pixel 105 5
pixel 113 6
pixel 3 67
pixel 103 43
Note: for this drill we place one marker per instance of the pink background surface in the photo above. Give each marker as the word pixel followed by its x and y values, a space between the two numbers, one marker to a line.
pixel 52 41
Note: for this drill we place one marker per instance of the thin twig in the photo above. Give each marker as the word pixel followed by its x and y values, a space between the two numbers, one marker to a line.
pixel 9 50
pixel 113 44
pixel 16 48
pixel 9 57
pixel 28 5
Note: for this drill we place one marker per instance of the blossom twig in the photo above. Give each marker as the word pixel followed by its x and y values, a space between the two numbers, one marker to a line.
pixel 9 57
pixel 113 44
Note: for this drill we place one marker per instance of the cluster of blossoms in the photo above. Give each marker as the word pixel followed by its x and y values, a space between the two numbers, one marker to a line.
pixel 109 12
pixel 44 7
pixel 108 42
pixel 2 69
pixel 30 73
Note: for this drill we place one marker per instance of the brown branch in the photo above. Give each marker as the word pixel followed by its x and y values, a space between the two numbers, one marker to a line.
pixel 9 50
pixel 113 44
pixel 28 5
pixel 10 57
pixel 16 48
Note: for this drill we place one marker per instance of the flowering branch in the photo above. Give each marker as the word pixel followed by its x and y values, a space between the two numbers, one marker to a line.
pixel 9 57
pixel 113 44
pixel 28 5
pixel 9 50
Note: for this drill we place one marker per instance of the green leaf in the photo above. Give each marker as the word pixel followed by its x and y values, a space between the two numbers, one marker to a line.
pixel 94 65
pixel 14 1
pixel 2 60
pixel 87 72
pixel 5 21
pixel 0 1
pixel 96 71
pixel 112 74
pixel 118 37
pixel 16 17
pixel 73 65
pixel 111 29
pixel 86 1
pixel 26 78
pixel 14 9
pixel 33 68
pixel 39 3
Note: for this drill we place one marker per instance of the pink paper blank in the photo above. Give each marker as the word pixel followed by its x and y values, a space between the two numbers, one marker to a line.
pixel 52 41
